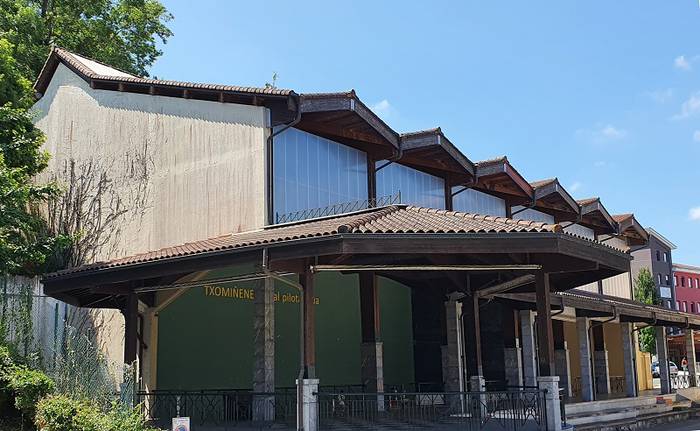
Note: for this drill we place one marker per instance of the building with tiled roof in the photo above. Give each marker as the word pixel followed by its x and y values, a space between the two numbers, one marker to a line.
pixel 229 213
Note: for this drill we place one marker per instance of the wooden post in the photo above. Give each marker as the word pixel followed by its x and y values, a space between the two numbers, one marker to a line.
pixel 369 307
pixel 371 182
pixel 306 279
pixel 131 313
pixel 545 336
pixel 473 328
pixel 449 205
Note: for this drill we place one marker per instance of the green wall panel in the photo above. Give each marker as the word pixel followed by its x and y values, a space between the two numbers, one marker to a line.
pixel 396 332
pixel 205 337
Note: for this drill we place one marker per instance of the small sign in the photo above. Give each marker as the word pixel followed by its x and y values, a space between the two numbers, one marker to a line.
pixel 665 292
pixel 181 424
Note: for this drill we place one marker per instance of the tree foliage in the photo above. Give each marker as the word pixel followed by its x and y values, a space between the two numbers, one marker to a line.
pixel 645 292
pixel 122 33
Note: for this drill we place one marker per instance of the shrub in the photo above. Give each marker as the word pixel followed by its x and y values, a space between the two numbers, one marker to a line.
pixel 61 413
pixel 28 387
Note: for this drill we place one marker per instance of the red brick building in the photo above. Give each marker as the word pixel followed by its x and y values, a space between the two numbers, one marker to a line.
pixel 686 281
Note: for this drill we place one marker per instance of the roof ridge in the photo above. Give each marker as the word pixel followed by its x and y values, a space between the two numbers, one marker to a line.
pixel 370 217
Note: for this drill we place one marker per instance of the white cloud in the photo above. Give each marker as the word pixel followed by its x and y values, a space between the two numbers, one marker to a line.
pixel 576 185
pixel 682 63
pixel 660 96
pixel 694 214
pixel 602 134
pixel 384 109
pixel 696 136
pixel 690 107
pixel 612 132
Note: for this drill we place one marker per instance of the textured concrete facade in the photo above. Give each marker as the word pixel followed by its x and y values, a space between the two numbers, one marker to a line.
pixel 452 367
pixel 602 371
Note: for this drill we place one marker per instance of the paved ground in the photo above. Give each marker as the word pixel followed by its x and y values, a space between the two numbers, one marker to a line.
pixel 692 425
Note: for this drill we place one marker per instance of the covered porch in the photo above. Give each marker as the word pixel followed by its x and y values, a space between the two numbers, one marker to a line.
pixel 466 276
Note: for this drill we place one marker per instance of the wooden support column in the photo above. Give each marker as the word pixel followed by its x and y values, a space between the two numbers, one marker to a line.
pixel 131 314
pixel 473 329
pixel 306 279
pixel 448 195
pixel 371 182
pixel 372 365
pixel 545 336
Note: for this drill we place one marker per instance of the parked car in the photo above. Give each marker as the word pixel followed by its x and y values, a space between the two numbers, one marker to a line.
pixel 673 368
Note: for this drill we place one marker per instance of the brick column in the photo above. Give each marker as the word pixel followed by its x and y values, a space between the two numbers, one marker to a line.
pixel 527 334
pixel 662 354
pixel 629 359
pixel 584 343
pixel 264 351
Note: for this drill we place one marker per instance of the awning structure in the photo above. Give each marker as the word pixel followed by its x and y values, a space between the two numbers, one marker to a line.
pixel 431 151
pixel 632 230
pixel 551 197
pixel 603 306
pixel 495 249
pixel 344 118
pixel 594 215
pixel 497 176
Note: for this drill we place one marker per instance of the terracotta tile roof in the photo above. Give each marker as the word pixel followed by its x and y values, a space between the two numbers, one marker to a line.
pixel 434 130
pixel 586 201
pixel 542 183
pixel 108 73
pixel 396 219
pixel 494 161
pixel 621 217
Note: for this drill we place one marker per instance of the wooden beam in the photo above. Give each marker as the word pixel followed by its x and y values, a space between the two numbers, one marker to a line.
pixel 545 339
pixel 306 279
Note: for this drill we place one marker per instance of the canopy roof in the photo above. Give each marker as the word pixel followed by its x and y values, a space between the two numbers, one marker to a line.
pixel 431 151
pixel 551 197
pixel 595 216
pixel 595 305
pixel 381 237
pixel 497 176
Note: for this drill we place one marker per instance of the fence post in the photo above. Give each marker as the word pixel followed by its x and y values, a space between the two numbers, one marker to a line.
pixel 309 400
pixel 550 384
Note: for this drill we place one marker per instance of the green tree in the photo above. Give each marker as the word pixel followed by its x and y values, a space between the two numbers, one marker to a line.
pixel 645 292
pixel 121 33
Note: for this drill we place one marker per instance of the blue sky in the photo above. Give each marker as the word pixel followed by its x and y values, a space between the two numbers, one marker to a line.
pixel 604 95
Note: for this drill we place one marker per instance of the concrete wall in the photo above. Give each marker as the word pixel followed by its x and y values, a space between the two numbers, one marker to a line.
pixel 182 170
pixel 199 166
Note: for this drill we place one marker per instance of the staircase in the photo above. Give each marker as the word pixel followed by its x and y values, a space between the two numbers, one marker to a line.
pixel 595 414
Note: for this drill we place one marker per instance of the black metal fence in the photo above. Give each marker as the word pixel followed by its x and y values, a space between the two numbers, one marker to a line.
pixel 218 407
pixel 497 410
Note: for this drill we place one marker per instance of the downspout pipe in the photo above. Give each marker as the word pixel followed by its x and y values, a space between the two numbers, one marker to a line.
pixel 269 163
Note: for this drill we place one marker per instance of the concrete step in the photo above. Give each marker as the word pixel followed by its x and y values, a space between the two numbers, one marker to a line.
pixel 614 404
pixel 644 421
pixel 610 415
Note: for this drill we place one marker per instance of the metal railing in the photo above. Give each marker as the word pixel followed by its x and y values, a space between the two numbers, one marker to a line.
pixel 617 384
pixel 217 407
pixel 339 208
pixel 681 381
pixel 509 410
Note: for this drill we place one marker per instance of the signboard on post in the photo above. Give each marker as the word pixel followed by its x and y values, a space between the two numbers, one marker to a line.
pixel 181 424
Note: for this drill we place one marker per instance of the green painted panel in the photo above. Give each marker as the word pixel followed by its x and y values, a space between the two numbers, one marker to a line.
pixel 205 337
pixel 396 332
